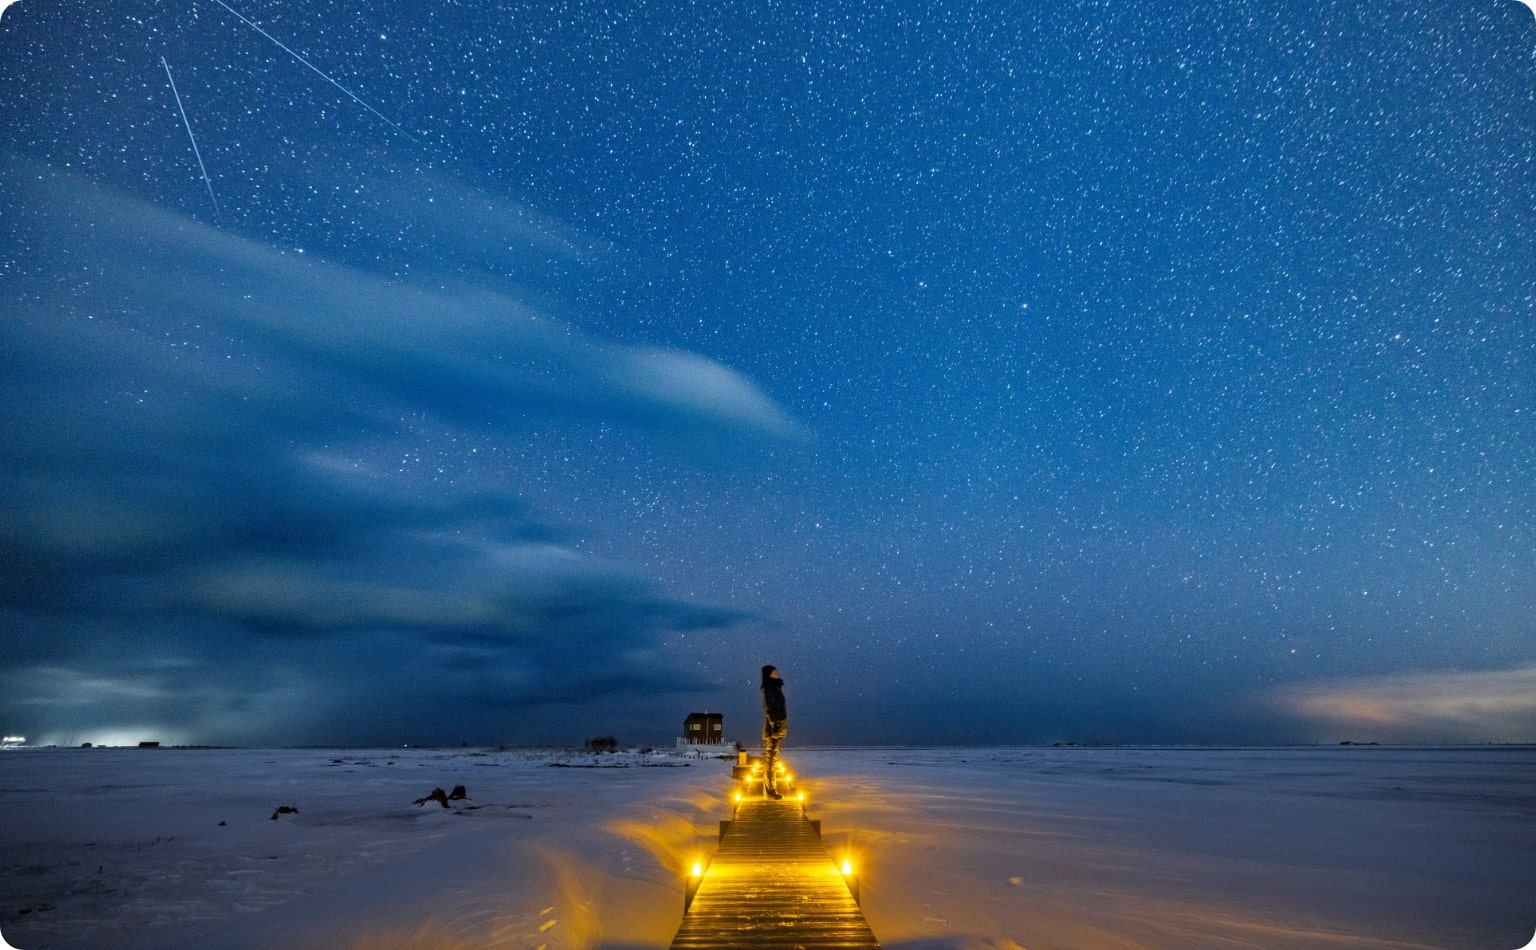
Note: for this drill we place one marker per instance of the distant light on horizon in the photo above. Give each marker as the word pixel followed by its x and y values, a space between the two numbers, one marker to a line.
pixel 116 736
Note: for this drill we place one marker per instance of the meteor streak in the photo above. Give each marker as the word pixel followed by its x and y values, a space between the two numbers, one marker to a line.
pixel 318 71
pixel 200 166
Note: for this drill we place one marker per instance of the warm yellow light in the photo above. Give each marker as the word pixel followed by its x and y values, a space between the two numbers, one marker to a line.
pixel 736 797
pixel 847 868
pixel 698 869
pixel 800 795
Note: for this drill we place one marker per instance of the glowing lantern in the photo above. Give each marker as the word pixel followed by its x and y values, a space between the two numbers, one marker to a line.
pixel 851 880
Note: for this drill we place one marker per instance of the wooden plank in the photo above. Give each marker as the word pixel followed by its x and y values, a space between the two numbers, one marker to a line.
pixel 772 884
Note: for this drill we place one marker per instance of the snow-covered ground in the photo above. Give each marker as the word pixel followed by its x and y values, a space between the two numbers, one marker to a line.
pixel 974 848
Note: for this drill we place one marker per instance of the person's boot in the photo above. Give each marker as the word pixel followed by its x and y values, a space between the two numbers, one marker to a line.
pixel 772 792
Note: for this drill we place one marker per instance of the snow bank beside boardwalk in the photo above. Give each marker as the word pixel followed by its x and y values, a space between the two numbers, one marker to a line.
pixel 123 848
pixel 1282 849
pixel 1004 848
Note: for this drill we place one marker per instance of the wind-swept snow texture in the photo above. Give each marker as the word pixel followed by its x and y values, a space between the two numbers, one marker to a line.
pixel 1043 849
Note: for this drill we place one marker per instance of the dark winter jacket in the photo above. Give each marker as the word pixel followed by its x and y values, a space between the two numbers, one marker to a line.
pixel 773 699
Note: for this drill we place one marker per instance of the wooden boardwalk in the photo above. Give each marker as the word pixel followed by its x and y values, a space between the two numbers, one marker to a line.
pixel 772 884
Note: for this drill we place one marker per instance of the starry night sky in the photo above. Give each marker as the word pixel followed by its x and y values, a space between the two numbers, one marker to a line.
pixel 1003 372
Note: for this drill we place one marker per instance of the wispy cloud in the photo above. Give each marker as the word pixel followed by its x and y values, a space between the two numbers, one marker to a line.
pixel 1489 706
pixel 471 354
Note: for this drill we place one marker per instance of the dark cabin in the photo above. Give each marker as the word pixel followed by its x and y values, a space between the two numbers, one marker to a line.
pixel 704 728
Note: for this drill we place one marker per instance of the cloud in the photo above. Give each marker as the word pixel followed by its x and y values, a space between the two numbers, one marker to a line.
pixel 688 387
pixel 1491 706
pixel 198 535
pixel 468 353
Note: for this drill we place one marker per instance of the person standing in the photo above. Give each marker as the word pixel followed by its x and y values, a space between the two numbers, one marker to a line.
pixel 775 727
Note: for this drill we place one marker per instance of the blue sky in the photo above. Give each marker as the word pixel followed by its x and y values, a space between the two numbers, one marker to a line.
pixel 1001 372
